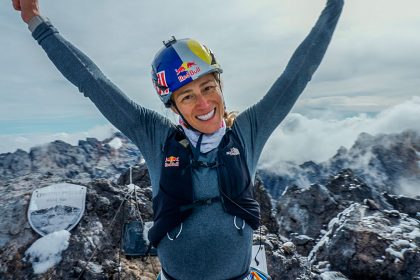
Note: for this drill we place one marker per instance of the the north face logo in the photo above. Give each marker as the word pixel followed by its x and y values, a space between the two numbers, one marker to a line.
pixel 233 152
pixel 171 161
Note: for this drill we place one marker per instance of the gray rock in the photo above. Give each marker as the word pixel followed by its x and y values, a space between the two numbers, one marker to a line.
pixel 305 211
pixel 408 205
pixel 366 244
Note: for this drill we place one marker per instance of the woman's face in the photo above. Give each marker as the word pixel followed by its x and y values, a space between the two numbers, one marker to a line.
pixel 201 104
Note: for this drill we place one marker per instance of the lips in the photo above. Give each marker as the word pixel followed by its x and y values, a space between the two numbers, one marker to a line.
pixel 207 116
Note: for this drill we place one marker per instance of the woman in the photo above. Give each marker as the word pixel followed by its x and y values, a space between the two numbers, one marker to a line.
pixel 201 171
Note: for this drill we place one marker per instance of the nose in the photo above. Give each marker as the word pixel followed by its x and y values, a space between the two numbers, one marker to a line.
pixel 202 101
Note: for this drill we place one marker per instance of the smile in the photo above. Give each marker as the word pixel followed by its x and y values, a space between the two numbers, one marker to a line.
pixel 207 116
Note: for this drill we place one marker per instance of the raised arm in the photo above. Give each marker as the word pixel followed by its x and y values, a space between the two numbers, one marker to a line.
pixel 258 122
pixel 143 126
pixel 28 9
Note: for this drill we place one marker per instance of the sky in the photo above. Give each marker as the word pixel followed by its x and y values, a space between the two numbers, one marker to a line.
pixel 368 81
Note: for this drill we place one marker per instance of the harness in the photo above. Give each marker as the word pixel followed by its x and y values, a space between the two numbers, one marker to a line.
pixel 175 200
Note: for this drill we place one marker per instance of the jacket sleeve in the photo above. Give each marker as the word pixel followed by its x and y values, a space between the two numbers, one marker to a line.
pixel 143 126
pixel 258 122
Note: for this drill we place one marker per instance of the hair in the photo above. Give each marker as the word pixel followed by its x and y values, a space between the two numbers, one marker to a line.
pixel 230 117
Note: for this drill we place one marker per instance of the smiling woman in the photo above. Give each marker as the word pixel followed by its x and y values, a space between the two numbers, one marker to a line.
pixel 203 170
pixel 200 104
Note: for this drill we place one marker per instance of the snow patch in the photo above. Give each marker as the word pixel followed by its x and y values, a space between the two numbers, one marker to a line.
pixel 46 251
pixel 407 231
pixel 395 253
pixel 413 234
pixel 147 227
pixel 131 187
pixel 95 268
pixel 332 275
pixel 116 143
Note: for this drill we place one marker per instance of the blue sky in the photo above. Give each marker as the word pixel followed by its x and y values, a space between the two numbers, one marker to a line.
pixel 372 65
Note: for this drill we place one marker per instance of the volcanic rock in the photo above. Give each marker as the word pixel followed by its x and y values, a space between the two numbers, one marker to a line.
pixel 370 244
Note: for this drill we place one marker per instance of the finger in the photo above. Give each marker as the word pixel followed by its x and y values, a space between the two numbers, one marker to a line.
pixel 16 5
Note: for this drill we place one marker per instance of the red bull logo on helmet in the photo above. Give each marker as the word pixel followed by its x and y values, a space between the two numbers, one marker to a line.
pixel 172 161
pixel 187 70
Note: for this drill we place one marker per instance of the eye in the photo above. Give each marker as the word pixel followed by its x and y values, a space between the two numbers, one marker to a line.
pixel 209 88
pixel 187 98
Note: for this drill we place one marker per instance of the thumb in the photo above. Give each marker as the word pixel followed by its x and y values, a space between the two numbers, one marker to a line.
pixel 16 5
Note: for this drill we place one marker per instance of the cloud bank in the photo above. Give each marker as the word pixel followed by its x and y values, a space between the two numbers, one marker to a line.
pixel 300 139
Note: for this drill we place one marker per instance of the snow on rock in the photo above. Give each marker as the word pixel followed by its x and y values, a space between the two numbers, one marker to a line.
pixel 46 251
pixel 147 227
pixel 370 243
pixel 332 275
pixel 116 143
pixel 132 187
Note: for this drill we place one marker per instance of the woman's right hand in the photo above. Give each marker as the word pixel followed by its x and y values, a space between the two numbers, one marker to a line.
pixel 28 8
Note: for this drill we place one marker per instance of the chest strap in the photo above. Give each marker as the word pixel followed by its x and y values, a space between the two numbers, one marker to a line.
pixel 200 202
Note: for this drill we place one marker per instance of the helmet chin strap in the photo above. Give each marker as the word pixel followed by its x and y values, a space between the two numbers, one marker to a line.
pixel 184 119
pixel 217 77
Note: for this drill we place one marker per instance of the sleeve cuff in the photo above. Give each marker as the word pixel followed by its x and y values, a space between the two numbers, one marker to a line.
pixel 35 22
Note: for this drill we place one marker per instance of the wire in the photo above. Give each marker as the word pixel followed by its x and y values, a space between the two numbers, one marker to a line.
pixel 110 226
pixel 231 200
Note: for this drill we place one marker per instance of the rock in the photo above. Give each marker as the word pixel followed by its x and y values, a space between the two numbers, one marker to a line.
pixel 305 211
pixel 15 164
pixel 347 188
pixel 288 248
pixel 410 206
pixel 268 219
pixel 279 264
pixel 382 161
pixel 365 244
pixel 91 159
pixel 371 204
pixel 304 243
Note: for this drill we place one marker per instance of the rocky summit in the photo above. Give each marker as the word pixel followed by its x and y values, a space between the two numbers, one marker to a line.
pixel 386 162
pixel 341 227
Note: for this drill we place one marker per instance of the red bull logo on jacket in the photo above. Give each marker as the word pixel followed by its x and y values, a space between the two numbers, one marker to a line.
pixel 172 161
pixel 186 70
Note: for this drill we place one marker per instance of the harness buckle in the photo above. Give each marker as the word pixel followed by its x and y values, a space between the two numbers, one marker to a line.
pixel 208 201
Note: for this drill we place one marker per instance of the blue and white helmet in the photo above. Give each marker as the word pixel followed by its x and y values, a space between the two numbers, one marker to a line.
pixel 178 63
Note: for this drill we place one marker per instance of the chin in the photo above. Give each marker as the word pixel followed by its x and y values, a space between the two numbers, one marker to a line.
pixel 210 128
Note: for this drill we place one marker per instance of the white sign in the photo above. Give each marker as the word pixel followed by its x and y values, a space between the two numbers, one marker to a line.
pixel 56 207
pixel 262 262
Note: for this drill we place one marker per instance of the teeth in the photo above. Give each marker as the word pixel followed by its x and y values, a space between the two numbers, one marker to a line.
pixel 207 116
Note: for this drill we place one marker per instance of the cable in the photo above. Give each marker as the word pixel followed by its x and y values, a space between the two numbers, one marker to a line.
pixel 110 226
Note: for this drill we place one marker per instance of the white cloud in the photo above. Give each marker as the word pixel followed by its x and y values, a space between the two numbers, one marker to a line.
pixel 9 143
pixel 301 139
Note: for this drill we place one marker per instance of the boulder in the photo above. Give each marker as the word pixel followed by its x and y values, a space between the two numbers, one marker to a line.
pixel 370 244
